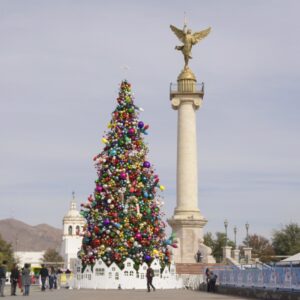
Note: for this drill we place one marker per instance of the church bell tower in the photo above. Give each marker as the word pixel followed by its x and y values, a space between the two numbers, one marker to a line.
pixel 73 224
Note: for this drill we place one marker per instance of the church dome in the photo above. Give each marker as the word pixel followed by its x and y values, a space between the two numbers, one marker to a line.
pixel 73 215
pixel 73 221
pixel 73 212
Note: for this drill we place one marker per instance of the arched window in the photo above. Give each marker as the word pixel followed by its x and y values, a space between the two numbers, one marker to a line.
pixel 77 230
pixel 70 230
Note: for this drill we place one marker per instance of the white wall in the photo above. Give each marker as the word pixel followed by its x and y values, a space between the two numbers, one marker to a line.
pixel 31 257
pixel 70 248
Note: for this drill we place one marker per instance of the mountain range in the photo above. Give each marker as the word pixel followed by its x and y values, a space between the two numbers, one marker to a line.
pixel 24 237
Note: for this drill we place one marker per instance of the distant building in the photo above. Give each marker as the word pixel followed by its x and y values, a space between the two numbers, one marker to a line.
pixel 73 224
pixel 34 258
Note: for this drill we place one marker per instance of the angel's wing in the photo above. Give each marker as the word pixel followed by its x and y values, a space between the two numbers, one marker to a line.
pixel 179 33
pixel 201 35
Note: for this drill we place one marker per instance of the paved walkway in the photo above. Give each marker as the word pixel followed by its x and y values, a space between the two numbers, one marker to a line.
pixel 64 294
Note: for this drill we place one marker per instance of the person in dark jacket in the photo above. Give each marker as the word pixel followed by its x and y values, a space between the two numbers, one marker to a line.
pixel 207 273
pixel 198 256
pixel 14 277
pixel 149 276
pixel 44 274
pixel 2 277
pixel 212 282
pixel 26 279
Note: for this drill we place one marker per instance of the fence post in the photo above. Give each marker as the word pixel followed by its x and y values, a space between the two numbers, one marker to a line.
pixel 291 274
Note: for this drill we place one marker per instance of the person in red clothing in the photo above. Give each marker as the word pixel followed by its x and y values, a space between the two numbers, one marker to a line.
pixel 20 281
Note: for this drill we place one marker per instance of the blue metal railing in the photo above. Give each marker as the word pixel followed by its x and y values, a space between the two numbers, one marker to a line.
pixel 276 277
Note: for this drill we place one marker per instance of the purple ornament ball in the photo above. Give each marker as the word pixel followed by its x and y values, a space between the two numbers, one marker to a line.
pixel 140 124
pixel 106 222
pixel 146 164
pixel 147 257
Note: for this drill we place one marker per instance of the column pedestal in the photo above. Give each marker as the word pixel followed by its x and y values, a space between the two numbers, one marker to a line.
pixel 236 255
pixel 226 252
pixel 248 254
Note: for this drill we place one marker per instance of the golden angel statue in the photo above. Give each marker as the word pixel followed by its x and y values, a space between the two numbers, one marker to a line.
pixel 189 39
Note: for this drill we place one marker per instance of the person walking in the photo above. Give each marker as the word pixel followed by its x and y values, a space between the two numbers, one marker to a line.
pixel 52 278
pixel 26 279
pixel 14 278
pixel 207 273
pixel 2 277
pixel 44 274
pixel 212 282
pixel 20 284
pixel 55 278
pixel 149 276
pixel 58 278
pixel 198 256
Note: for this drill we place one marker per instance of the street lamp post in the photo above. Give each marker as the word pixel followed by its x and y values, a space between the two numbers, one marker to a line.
pixel 226 226
pixel 247 233
pixel 235 231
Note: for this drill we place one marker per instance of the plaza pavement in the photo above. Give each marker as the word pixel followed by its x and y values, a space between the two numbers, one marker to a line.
pixel 64 294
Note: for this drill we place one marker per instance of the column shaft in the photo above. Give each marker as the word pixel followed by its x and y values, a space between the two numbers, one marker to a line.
pixel 187 179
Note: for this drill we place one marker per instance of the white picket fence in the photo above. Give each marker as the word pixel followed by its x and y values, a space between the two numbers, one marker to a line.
pixel 112 277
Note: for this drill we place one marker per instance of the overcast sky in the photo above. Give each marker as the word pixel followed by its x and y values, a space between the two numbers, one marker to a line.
pixel 60 69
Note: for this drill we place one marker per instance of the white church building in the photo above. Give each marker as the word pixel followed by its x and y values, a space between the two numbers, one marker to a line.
pixel 73 224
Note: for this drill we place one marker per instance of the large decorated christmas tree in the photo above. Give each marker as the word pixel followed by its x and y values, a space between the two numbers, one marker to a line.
pixel 123 215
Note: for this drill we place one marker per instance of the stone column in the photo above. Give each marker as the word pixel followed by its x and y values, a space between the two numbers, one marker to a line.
pixel 187 221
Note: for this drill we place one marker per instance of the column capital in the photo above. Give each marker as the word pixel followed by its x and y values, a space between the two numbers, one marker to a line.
pixel 193 100
pixel 227 247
